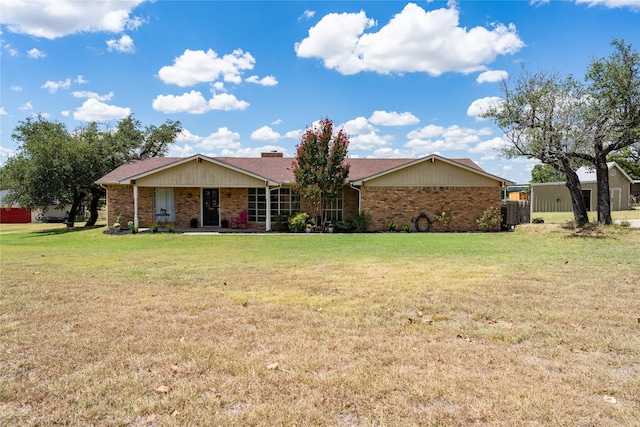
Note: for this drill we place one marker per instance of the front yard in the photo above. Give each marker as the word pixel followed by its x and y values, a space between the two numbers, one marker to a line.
pixel 540 326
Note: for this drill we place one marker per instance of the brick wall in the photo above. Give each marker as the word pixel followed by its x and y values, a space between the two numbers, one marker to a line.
pixel 120 202
pixel 462 205
pixel 188 205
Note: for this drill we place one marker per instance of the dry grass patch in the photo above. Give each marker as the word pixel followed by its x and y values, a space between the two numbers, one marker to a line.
pixel 535 327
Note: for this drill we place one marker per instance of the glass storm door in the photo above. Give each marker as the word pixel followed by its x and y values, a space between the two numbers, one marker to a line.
pixel 210 207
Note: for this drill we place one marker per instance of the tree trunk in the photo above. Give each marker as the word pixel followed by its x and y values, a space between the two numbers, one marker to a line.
pixel 75 206
pixel 575 190
pixel 604 196
pixel 96 194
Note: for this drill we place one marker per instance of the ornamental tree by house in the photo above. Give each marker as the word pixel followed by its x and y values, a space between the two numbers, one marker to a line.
pixel 319 166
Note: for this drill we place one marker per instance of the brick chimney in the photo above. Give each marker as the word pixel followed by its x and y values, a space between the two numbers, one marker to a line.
pixel 272 154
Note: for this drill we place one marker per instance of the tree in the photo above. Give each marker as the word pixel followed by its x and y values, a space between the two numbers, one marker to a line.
pixel 130 140
pixel 538 116
pixel 546 173
pixel 319 167
pixel 53 164
pixel 612 116
pixel 48 168
pixel 629 159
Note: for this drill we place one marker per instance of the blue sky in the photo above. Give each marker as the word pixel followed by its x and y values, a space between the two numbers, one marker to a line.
pixel 405 79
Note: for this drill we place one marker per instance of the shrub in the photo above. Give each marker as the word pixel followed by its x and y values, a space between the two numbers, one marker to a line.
pixel 298 222
pixel 489 219
pixel 362 221
pixel 406 227
pixel 154 227
pixel 392 226
pixel 171 228
pixel 345 226
pixel 625 224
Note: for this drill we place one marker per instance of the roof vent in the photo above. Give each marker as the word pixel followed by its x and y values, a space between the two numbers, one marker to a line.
pixel 272 154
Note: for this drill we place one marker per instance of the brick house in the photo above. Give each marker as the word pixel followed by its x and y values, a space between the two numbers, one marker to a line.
pixel 207 190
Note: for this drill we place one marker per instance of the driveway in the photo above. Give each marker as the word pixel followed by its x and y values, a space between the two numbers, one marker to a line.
pixel 633 223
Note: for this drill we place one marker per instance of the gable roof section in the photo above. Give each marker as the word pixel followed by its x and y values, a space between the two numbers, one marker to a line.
pixel 465 164
pixel 276 170
pixel 588 174
pixel 141 168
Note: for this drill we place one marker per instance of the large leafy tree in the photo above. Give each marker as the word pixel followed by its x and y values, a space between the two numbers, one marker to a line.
pixel 320 167
pixel 538 116
pixel 612 115
pixel 53 164
pixel 545 173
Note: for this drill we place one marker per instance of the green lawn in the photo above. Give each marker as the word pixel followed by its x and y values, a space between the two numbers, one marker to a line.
pixel 561 217
pixel 539 326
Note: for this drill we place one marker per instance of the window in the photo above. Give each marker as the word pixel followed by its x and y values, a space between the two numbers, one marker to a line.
pixel 284 202
pixel 164 208
pixel 334 209
pixel 257 205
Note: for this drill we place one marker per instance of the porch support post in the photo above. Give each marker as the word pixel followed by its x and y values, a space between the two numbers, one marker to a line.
pixel 135 206
pixel 267 193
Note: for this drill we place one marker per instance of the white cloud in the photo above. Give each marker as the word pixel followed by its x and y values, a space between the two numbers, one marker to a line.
pixel 198 66
pixel 632 4
pixel 124 45
pixel 36 54
pixel 3 111
pixel 227 102
pixel 294 134
pixel 65 113
pixel 223 138
pixel 27 106
pixel 181 151
pixel 265 133
pixel 308 14
pixel 277 122
pixel 369 141
pixel 335 39
pixel 393 118
pixel 432 138
pixel 414 40
pixel 11 50
pixel 539 2
pixel 194 103
pixel 57 18
pixel 92 95
pixel 93 110
pixel 186 136
pixel 490 149
pixel 492 76
pixel 265 81
pixel 357 126
pixel 397 153
pixel 480 106
pixel 252 151
pixel 16 88
pixel 53 87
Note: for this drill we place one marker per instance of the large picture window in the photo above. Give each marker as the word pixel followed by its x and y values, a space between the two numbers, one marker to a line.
pixel 164 208
pixel 257 205
pixel 284 201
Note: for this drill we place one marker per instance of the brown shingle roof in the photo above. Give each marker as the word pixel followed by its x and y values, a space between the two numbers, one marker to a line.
pixel 277 169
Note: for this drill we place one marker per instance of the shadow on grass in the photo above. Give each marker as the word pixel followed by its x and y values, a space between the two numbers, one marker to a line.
pixel 64 230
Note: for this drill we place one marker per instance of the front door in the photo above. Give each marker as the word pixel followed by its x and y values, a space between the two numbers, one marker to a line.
pixel 210 207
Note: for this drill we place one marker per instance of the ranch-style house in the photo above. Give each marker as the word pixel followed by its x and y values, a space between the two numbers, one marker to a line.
pixel 208 191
